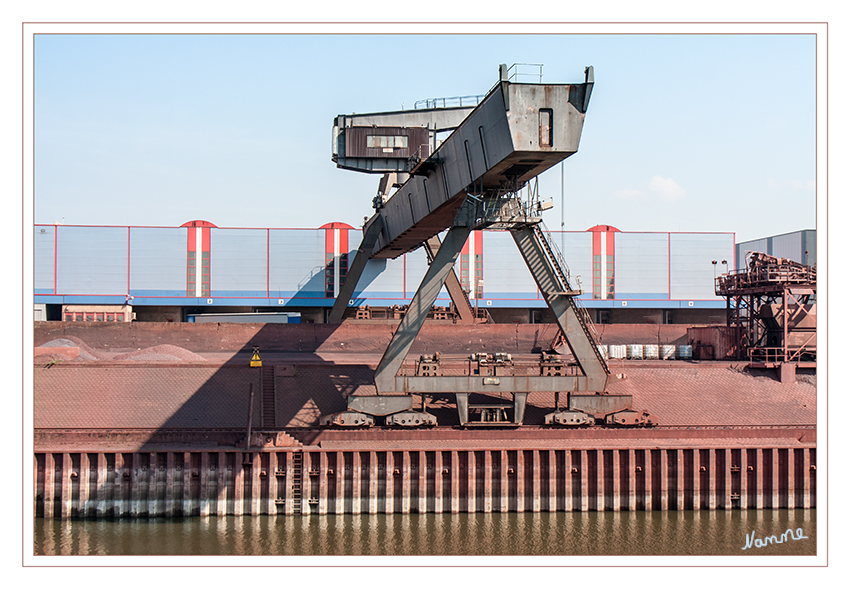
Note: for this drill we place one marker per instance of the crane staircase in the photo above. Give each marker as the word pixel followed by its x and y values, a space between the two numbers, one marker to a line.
pixel 561 269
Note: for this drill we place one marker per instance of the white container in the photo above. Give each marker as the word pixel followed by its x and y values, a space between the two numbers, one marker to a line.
pixel 635 352
pixel 668 352
pixel 616 352
pixel 686 352
pixel 650 352
pixel 603 351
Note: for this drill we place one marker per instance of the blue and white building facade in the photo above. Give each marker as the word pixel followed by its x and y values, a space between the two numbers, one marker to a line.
pixel 199 268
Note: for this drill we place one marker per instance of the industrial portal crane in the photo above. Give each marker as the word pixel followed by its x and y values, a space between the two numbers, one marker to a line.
pixel 473 180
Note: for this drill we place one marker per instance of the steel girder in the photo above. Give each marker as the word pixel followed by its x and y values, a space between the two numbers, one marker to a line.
pixel 419 308
pixel 355 270
pixel 455 290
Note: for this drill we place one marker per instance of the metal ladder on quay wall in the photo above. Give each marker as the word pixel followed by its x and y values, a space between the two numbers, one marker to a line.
pixel 297 470
pixel 268 412
pixel 561 269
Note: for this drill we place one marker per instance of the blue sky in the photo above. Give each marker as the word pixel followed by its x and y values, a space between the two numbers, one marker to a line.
pixel 683 133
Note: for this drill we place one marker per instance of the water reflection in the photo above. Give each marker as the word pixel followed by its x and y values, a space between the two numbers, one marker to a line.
pixel 589 533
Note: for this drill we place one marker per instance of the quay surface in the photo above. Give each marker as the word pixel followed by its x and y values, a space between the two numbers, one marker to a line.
pixel 118 435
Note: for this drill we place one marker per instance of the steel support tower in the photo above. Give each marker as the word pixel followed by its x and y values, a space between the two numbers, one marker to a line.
pixel 472 181
pixel 772 304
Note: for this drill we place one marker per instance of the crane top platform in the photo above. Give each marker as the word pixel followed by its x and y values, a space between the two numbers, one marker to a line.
pixel 516 132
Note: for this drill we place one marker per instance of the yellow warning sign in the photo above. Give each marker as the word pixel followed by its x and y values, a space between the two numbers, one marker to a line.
pixel 256 361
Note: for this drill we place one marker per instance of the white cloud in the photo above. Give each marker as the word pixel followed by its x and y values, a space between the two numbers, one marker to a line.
pixel 666 188
pixel 659 187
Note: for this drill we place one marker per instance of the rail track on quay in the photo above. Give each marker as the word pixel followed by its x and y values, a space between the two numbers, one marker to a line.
pixel 447 436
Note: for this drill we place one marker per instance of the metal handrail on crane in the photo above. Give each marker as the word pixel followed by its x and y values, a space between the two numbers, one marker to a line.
pixel 449 102
pixel 518 72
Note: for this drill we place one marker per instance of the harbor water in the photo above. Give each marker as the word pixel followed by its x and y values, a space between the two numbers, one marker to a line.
pixel 662 533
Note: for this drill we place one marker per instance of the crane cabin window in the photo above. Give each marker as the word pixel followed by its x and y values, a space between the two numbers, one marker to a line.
pixel 387 141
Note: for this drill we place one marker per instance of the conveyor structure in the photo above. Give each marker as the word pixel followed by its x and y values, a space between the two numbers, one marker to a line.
pixel 474 180
pixel 772 305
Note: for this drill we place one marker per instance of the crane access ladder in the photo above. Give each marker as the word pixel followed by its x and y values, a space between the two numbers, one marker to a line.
pixel 560 267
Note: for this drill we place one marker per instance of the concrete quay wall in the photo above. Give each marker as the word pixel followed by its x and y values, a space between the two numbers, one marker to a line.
pixel 302 481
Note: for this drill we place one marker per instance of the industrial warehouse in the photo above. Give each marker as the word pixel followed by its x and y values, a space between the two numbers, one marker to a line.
pixel 452 355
